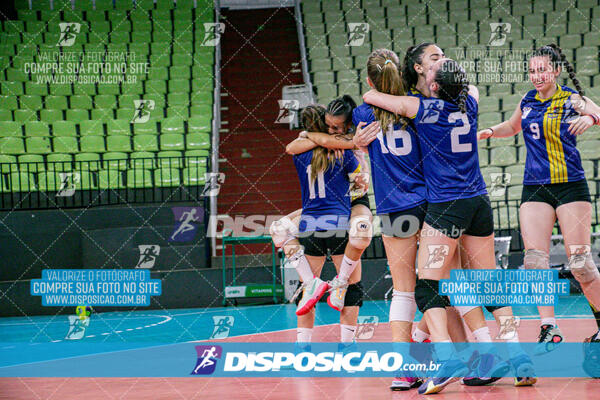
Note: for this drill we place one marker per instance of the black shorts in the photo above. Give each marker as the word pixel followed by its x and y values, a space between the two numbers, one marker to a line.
pixel 405 223
pixel 318 243
pixel 557 194
pixel 364 200
pixel 471 216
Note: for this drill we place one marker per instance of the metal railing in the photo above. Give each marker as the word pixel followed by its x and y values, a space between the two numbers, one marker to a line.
pixel 105 182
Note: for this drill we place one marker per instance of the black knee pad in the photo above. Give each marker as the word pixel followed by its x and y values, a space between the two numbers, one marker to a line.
pixel 427 295
pixel 494 308
pixel 354 295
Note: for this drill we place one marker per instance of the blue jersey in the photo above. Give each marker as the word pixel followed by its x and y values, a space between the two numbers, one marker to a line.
pixel 396 169
pixel 325 199
pixel 552 155
pixel 448 141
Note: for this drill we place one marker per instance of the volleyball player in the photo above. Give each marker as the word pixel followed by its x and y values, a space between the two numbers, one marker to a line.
pixel 458 203
pixel 554 184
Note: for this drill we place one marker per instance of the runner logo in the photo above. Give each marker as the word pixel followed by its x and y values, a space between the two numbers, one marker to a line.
pixel 498 184
pixel 213 182
pixel 500 31
pixel 437 255
pixel 287 111
pixel 222 326
pixel 185 230
pixel 68 33
pixel 207 359
pixel 357 33
pixel 77 327
pixel 148 255
pixel 212 33
pixel 68 184
pixel 508 327
pixel 142 111
pixel 366 326
pixel 431 114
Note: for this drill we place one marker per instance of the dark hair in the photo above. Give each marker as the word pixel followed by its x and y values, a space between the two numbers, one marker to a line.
pixel 383 71
pixel 313 118
pixel 558 59
pixel 414 55
pixel 342 106
pixel 454 86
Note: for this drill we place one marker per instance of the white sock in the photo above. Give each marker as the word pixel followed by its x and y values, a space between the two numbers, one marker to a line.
pixel 347 268
pixel 304 335
pixel 347 333
pixel 419 336
pixel 597 336
pixel 303 268
pixel 482 335
pixel 548 321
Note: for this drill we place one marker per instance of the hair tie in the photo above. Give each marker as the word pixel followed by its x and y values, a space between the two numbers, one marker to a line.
pixel 387 61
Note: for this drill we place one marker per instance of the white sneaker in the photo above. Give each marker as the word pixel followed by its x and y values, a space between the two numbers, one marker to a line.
pixel 312 291
pixel 337 293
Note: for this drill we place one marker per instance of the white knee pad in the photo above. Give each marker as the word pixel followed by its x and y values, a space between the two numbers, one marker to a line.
pixel 536 259
pixel 463 310
pixel 361 230
pixel 582 266
pixel 403 306
pixel 282 231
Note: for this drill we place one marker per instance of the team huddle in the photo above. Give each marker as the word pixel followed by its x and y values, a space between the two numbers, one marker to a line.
pixel 418 125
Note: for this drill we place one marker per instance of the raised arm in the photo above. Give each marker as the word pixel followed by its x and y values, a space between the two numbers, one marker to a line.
pixel 504 129
pixel 300 145
pixel 406 106
pixel 333 142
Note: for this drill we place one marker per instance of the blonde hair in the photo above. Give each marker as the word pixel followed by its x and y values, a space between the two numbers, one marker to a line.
pixel 383 70
pixel 313 120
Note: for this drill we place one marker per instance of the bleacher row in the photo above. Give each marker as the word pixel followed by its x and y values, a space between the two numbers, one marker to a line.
pixel 462 28
pixel 126 103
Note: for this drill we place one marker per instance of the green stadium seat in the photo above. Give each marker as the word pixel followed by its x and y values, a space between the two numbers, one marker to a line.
pixel 65 145
pixel 105 101
pixel 8 103
pixel 59 162
pixel 142 160
pixel 118 143
pixel 126 101
pixel 81 101
pixel 86 180
pixel 60 89
pixel 194 176
pixel 110 179
pixel 47 116
pixel 172 125
pixel 179 72
pixel 11 145
pixel 32 163
pixel 171 142
pixel 21 182
pixel 590 150
pixel 135 87
pixel 167 177
pixel 109 89
pixel 114 161
pixel 31 102
pixel 37 145
pixel 178 112
pixel 77 115
pixel 89 127
pixel 26 115
pixel 483 156
pixel 177 99
pixel 5 115
pixel 125 114
pixel 199 125
pixel 64 128
pixel 157 86
pixel 503 156
pixel 92 144
pixel 36 128
pixel 8 163
pixel 49 181
pixel 145 143
pixel 169 159
pixel 200 110
pixel 159 100
pixel 12 88
pixel 102 114
pixel 139 178
pixel 56 102
pixel 196 158
pixel 10 128
pixel 87 162
pixel 37 89
pixel 118 127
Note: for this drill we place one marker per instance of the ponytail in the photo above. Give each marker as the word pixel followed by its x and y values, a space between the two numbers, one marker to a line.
pixel 342 106
pixel 453 83
pixel 383 72
pixel 313 120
